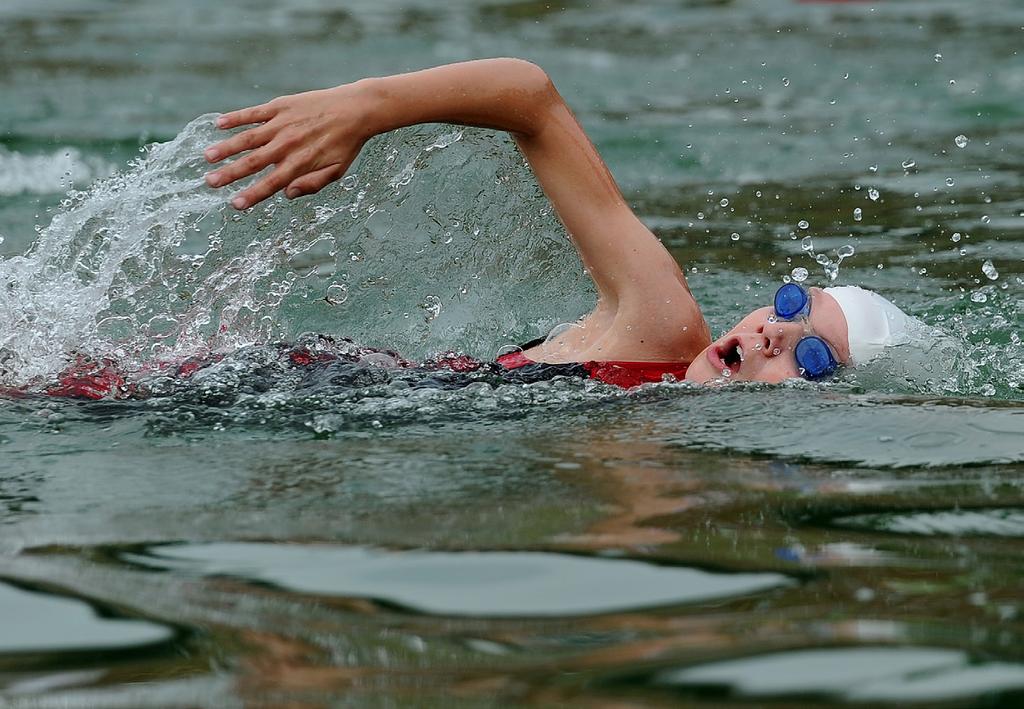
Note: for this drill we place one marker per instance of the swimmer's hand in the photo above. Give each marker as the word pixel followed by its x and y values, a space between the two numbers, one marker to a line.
pixel 311 139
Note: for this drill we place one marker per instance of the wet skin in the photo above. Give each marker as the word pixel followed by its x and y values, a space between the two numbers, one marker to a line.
pixel 760 348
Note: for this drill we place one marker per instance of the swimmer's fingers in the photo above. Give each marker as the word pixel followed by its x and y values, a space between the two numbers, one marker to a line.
pixel 276 181
pixel 243 167
pixel 245 116
pixel 249 140
pixel 313 182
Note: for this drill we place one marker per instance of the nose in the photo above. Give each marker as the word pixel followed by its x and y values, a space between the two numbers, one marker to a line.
pixel 779 337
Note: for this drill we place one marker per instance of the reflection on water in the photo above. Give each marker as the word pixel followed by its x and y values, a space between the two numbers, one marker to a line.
pixel 492 584
pixel 525 621
pixel 34 622
pixel 865 674
pixel 564 543
pixel 995 522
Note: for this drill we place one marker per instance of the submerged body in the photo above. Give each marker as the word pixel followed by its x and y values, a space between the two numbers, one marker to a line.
pixel 327 357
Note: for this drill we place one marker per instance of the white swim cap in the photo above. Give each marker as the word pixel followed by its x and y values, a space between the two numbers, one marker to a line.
pixel 872 322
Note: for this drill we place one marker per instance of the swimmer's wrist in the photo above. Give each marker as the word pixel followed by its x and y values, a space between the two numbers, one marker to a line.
pixel 371 98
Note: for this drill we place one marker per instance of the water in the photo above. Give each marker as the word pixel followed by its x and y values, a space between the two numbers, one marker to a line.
pixel 258 536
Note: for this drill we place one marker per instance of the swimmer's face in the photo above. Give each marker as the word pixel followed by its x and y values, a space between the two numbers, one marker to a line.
pixel 759 349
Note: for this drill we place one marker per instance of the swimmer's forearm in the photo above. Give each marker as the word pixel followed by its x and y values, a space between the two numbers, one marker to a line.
pixel 506 94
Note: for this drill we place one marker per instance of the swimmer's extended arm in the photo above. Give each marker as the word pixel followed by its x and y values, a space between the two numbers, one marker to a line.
pixel 313 138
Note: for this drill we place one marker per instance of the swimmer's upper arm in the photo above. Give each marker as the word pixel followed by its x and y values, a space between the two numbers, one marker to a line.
pixel 627 262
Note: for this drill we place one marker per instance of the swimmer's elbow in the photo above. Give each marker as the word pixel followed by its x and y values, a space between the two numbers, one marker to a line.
pixel 531 77
pixel 535 88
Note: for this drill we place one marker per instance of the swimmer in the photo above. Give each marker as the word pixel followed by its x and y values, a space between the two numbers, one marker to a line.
pixel 646 325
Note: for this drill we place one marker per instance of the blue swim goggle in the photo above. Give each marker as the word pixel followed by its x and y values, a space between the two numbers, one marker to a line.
pixel 814 357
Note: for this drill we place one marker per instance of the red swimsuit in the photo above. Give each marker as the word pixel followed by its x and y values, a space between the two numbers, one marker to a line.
pixel 623 374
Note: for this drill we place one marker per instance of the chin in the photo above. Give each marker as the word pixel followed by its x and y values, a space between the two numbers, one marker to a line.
pixel 698 377
pixel 700 370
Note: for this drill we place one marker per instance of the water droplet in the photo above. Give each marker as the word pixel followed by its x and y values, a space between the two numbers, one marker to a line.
pixel 873 194
pixel 734 236
pixel 776 351
pixel 961 141
pixel 988 389
pixel 865 594
pixel 873 168
pixel 785 81
pixel 337 294
pixel 985 219
pixel 909 163
pixel 989 269
pixel 823 259
pixel 431 304
pixel 938 57
pixel 799 274
pixel 724 202
pixel 857 214
pixel 952 82
pixel 845 251
pixel 979 296
pixel 807 244
pixel 726 372
pixel 956 237
pixel 349 182
pixel 950 182
pixel 802 224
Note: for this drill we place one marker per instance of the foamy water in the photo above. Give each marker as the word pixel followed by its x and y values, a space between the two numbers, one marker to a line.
pixel 48 173
pixel 150 264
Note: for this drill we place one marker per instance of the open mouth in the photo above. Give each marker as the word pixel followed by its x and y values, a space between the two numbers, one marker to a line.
pixel 731 355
